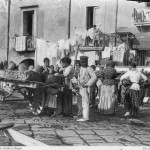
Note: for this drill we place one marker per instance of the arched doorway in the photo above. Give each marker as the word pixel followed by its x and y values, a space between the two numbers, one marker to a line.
pixel 28 62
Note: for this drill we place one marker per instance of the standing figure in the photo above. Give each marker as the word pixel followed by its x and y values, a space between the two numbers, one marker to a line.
pixel 108 98
pixel 92 89
pixel 75 88
pixel 87 78
pixel 68 73
pixel 46 66
pixel 132 96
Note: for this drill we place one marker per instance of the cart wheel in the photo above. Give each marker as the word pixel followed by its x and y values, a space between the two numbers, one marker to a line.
pixel 4 93
pixel 96 91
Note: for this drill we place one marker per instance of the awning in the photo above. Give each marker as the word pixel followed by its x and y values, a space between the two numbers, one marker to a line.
pixel 141 41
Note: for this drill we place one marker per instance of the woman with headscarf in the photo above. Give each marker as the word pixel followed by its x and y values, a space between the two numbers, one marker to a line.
pixel 108 98
pixel 132 96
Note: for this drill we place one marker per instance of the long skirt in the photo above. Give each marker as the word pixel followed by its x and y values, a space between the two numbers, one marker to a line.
pixel 108 99
pixel 67 101
pixel 51 101
pixel 132 101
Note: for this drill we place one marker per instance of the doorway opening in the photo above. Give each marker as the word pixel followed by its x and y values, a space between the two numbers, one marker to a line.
pixel 89 17
pixel 28 23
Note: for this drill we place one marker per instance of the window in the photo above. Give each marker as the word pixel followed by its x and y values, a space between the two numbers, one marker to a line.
pixel 93 17
pixel 28 27
pixel 90 15
pixel 29 21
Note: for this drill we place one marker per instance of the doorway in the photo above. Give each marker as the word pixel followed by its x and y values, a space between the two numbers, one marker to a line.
pixel 28 27
pixel 89 17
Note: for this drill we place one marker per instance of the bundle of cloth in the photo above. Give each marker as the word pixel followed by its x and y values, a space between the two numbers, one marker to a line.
pixel 33 75
pixel 54 79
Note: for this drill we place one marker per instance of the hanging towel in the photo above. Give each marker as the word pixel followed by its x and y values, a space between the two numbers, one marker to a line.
pixel 106 52
pixel 121 51
pixel 41 51
pixel 21 43
pixel 92 57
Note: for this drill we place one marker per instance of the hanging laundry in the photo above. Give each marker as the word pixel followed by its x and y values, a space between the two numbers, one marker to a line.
pixel 61 44
pixel 118 54
pixel 81 32
pixel 41 51
pixel 115 55
pixel 21 43
pixel 92 57
pixel 66 44
pixel 90 33
pixel 59 54
pixel 106 52
pixel 73 41
pixel 52 49
pixel 80 36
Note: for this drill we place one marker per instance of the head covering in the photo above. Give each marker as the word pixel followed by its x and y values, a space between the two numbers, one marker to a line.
pixel 84 61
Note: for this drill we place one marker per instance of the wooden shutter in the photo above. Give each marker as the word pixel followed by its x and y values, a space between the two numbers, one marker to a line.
pixel 96 17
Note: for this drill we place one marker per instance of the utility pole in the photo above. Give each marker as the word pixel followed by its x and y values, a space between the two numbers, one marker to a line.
pixel 8 27
pixel 116 20
pixel 69 18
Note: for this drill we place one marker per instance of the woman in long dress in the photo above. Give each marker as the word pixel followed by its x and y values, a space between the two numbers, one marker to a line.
pixel 108 98
pixel 132 97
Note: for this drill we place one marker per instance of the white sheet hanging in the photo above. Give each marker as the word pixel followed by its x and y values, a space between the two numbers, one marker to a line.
pixel 118 53
pixel 21 43
pixel 106 52
pixel 92 57
pixel 41 51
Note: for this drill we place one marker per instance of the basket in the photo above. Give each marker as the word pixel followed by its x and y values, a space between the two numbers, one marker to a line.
pixel 9 74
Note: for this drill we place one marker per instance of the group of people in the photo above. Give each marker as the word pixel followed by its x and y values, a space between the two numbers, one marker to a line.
pixel 132 82
pixel 80 84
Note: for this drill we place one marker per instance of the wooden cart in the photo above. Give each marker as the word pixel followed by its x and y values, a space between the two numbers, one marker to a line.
pixel 33 91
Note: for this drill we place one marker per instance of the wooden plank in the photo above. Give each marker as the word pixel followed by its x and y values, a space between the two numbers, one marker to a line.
pixel 23 139
pixel 91 48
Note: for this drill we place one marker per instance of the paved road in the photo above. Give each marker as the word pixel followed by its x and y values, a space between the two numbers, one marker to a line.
pixel 101 130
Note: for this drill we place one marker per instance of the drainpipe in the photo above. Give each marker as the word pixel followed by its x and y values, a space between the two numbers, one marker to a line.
pixel 69 17
pixel 116 20
pixel 8 27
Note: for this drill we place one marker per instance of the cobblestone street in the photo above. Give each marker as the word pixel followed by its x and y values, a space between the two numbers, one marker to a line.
pixel 99 131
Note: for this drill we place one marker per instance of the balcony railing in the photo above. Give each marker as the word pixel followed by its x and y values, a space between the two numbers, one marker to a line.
pixel 25 43
pixel 141 16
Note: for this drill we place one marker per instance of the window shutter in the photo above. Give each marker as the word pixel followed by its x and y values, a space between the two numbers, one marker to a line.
pixel 96 18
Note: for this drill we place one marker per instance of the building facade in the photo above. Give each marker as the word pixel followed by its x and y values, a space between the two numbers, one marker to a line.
pixel 48 19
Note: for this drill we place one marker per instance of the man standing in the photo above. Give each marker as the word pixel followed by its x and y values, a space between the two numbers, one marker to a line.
pixel 87 78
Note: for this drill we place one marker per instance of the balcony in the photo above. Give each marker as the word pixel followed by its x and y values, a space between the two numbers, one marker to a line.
pixel 96 44
pixel 141 17
pixel 25 43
